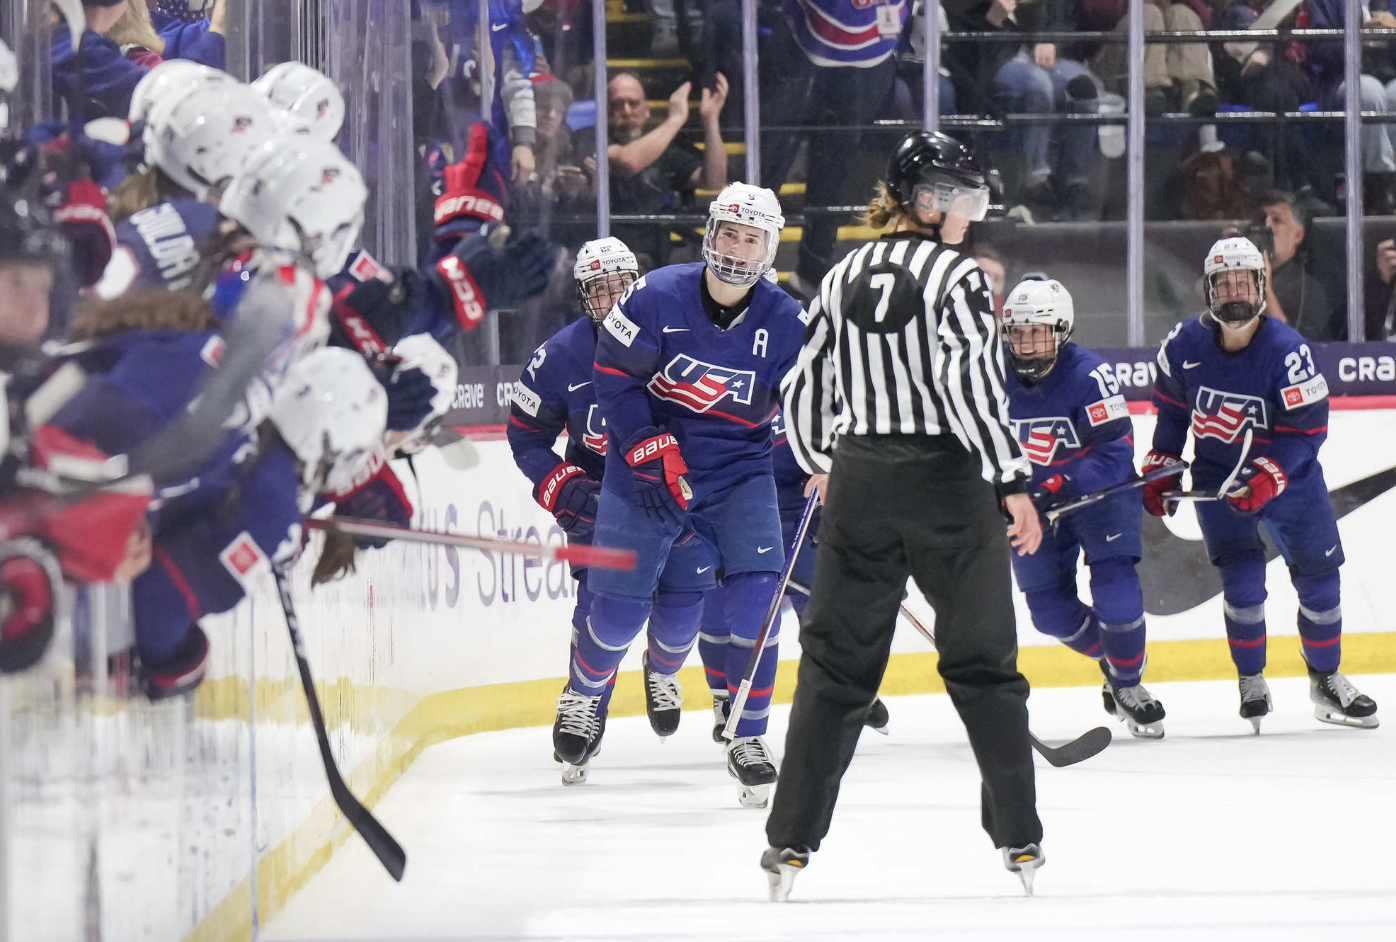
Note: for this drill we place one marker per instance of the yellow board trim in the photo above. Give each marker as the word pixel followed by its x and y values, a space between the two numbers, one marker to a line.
pixel 453 713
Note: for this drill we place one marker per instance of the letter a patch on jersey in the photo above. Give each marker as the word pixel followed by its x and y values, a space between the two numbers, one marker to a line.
pixel 1040 438
pixel 699 385
pixel 244 560
pixel 1226 415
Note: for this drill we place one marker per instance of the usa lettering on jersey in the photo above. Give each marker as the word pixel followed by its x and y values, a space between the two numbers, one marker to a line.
pixel 1040 438
pixel 594 439
pixel 700 386
pixel 1226 415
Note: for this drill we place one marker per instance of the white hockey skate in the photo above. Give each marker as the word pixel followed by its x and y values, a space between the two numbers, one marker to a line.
pixel 1255 699
pixel 750 764
pixel 781 864
pixel 1024 861
pixel 1142 714
pixel 1338 702
pixel 577 734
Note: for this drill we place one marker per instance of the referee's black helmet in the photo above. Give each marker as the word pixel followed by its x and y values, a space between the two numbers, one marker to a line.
pixel 933 163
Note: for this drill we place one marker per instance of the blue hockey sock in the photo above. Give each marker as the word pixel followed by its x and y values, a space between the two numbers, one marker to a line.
pixel 1119 607
pixel 1320 620
pixel 601 643
pixel 1057 612
pixel 673 629
pixel 1243 604
pixel 712 641
pixel 748 596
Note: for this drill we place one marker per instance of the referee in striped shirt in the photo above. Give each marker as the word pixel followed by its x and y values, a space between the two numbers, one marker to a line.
pixel 902 368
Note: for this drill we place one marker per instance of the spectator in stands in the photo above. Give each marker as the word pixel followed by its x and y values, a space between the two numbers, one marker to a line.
pixel 651 168
pixel 110 77
pixel 992 263
pixel 1033 78
pixel 1379 298
pixel 1302 300
pixel 814 75
pixel 1177 76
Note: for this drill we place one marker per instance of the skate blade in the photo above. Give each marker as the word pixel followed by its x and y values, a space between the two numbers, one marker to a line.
pixel 1027 874
pixel 1324 715
pixel 879 729
pixel 781 882
pixel 1255 722
pixel 574 774
pixel 1145 730
pixel 753 796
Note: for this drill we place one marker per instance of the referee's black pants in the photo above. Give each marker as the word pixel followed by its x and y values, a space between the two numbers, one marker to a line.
pixel 899 506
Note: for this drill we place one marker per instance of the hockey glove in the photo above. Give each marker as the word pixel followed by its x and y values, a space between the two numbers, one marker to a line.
pixel 1154 490
pixel 380 498
pixel 572 498
pixel 1263 480
pixel 182 672
pixel 80 211
pixel 410 392
pixel 463 206
pixel 659 472
pixel 477 276
pixel 1058 489
pixel 29 586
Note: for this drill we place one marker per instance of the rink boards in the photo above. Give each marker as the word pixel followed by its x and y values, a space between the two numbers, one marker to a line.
pixel 426 644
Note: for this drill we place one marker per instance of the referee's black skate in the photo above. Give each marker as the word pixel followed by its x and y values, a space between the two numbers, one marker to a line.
pixel 1338 702
pixel 877 717
pixel 750 764
pixel 663 700
pixel 1024 861
pixel 577 734
pixel 722 709
pixel 1142 714
pixel 781 864
pixel 1255 699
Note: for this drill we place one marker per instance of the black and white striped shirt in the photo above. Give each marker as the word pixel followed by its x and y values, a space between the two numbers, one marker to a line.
pixel 901 340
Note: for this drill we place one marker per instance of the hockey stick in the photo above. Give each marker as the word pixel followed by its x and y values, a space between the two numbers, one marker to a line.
pixel 592 557
pixel 744 690
pixel 1176 467
pixel 1221 492
pixel 1089 743
pixel 388 851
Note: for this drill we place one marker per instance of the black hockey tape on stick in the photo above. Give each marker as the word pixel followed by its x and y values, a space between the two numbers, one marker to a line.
pixel 388 851
pixel 1174 467
pixel 1222 492
pixel 1090 743
pixel 744 691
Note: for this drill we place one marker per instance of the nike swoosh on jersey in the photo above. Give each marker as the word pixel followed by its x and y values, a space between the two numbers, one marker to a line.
pixel 574 388
pixel 674 330
pixel 704 569
pixel 1113 537
pixel 764 549
pixel 496 27
pixel 1178 576
pixel 1188 366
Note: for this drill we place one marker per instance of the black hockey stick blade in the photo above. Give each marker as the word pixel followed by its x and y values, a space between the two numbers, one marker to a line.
pixel 388 851
pixel 1091 742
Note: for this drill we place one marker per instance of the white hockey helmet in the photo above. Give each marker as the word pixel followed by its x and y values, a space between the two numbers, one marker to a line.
pixel 1227 255
pixel 314 102
pixel 9 79
pixel 1038 318
pixel 603 270
pixel 171 80
pixel 745 205
pixel 201 138
pixel 421 351
pixel 300 197
pixel 331 413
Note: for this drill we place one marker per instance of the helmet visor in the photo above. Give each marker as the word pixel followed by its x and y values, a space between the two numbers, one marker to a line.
pixel 963 200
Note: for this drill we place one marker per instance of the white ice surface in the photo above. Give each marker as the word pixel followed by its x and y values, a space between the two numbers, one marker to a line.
pixel 1211 833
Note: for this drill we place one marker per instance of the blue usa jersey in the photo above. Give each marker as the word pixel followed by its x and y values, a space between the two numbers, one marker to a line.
pixel 556 392
pixel 158 247
pixel 858 33
pixel 1271 387
pixel 1074 422
pixel 660 361
pixel 790 477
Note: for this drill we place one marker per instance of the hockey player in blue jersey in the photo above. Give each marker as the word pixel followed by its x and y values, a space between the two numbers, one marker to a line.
pixel 688 367
pixel 791 486
pixel 556 393
pixel 1226 372
pixel 1074 426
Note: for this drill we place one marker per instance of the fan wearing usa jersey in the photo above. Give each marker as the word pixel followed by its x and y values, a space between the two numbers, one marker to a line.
pixel 1074 426
pixel 688 367
pixel 556 392
pixel 1226 372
